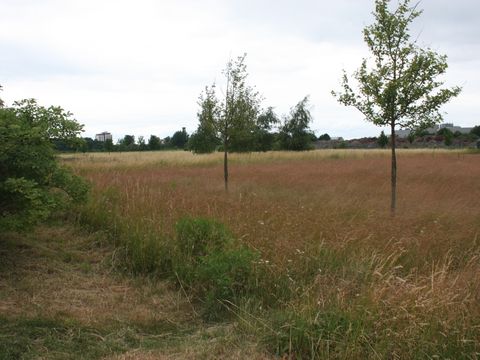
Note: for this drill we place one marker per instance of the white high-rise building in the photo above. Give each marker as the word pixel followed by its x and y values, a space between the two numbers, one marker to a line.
pixel 104 136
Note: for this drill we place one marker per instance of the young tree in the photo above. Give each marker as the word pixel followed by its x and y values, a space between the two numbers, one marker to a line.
pixel 239 108
pixel 401 88
pixel 295 133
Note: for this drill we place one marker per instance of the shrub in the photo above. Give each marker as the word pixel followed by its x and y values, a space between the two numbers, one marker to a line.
pixel 32 183
pixel 210 263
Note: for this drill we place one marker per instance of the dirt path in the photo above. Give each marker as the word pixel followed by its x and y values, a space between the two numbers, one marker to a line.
pixel 60 298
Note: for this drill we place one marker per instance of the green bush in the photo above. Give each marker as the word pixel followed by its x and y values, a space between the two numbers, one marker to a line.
pixel 32 183
pixel 198 236
pixel 211 265
pixel 225 277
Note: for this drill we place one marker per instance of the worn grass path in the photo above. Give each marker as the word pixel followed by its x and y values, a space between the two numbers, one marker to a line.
pixel 61 298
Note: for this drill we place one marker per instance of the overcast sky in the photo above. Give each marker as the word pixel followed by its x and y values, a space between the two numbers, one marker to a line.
pixel 137 67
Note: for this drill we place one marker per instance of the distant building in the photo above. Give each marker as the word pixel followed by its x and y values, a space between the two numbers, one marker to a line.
pixel 433 130
pixel 104 136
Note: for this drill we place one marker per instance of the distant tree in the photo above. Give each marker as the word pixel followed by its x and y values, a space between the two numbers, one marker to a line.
pixel 475 130
pixel 154 143
pixel 142 146
pixel 447 135
pixel 263 137
pixel 108 145
pixel 382 140
pixel 401 88
pixel 411 137
pixel 324 137
pixel 179 139
pixel 129 140
pixel 30 176
pixel 295 133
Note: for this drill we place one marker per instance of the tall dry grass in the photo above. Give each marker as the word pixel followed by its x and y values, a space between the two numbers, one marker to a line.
pixel 361 283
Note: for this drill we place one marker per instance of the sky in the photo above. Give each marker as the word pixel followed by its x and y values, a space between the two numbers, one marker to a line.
pixel 138 67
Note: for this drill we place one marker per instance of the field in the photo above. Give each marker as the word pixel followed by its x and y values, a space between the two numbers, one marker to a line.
pixel 328 273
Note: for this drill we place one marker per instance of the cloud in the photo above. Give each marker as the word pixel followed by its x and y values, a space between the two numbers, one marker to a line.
pixel 138 67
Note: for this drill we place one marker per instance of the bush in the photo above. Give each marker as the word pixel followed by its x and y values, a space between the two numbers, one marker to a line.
pixel 32 183
pixel 213 267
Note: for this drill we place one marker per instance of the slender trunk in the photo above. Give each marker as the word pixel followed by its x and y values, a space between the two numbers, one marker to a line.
pixel 225 133
pixel 225 166
pixel 393 205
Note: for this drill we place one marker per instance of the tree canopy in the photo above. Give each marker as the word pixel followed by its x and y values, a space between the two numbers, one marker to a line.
pixel 295 133
pixel 400 87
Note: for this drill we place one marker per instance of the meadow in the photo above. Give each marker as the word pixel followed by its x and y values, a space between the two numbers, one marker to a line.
pixel 317 268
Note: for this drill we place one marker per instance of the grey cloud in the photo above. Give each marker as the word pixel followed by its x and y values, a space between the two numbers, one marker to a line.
pixel 27 62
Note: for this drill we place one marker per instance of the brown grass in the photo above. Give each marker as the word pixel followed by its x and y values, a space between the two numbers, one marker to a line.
pixel 418 270
pixel 57 273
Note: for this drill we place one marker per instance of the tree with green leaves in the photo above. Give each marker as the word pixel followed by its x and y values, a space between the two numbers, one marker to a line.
pixel 295 133
pixel 401 88
pixel 239 108
pixel 324 137
pixel 154 143
pixel 475 130
pixel 205 140
pixel 32 183
pixel 142 145
pixel 179 139
pixel 263 137
pixel 382 140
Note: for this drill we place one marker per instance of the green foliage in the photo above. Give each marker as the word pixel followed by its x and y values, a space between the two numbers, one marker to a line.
pixel 179 139
pixel 324 137
pixel 263 137
pixel 401 89
pixel 209 262
pixel 59 338
pixel 475 130
pixel 142 146
pixel 108 146
pixel 447 135
pixel 382 140
pixel 205 139
pixel 196 237
pixel 317 335
pixel 239 108
pixel 53 123
pixel 295 132
pixel 32 183
pixel 154 143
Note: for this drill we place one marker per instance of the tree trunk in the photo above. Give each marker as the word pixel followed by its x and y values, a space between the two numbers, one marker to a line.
pixel 225 166
pixel 393 205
